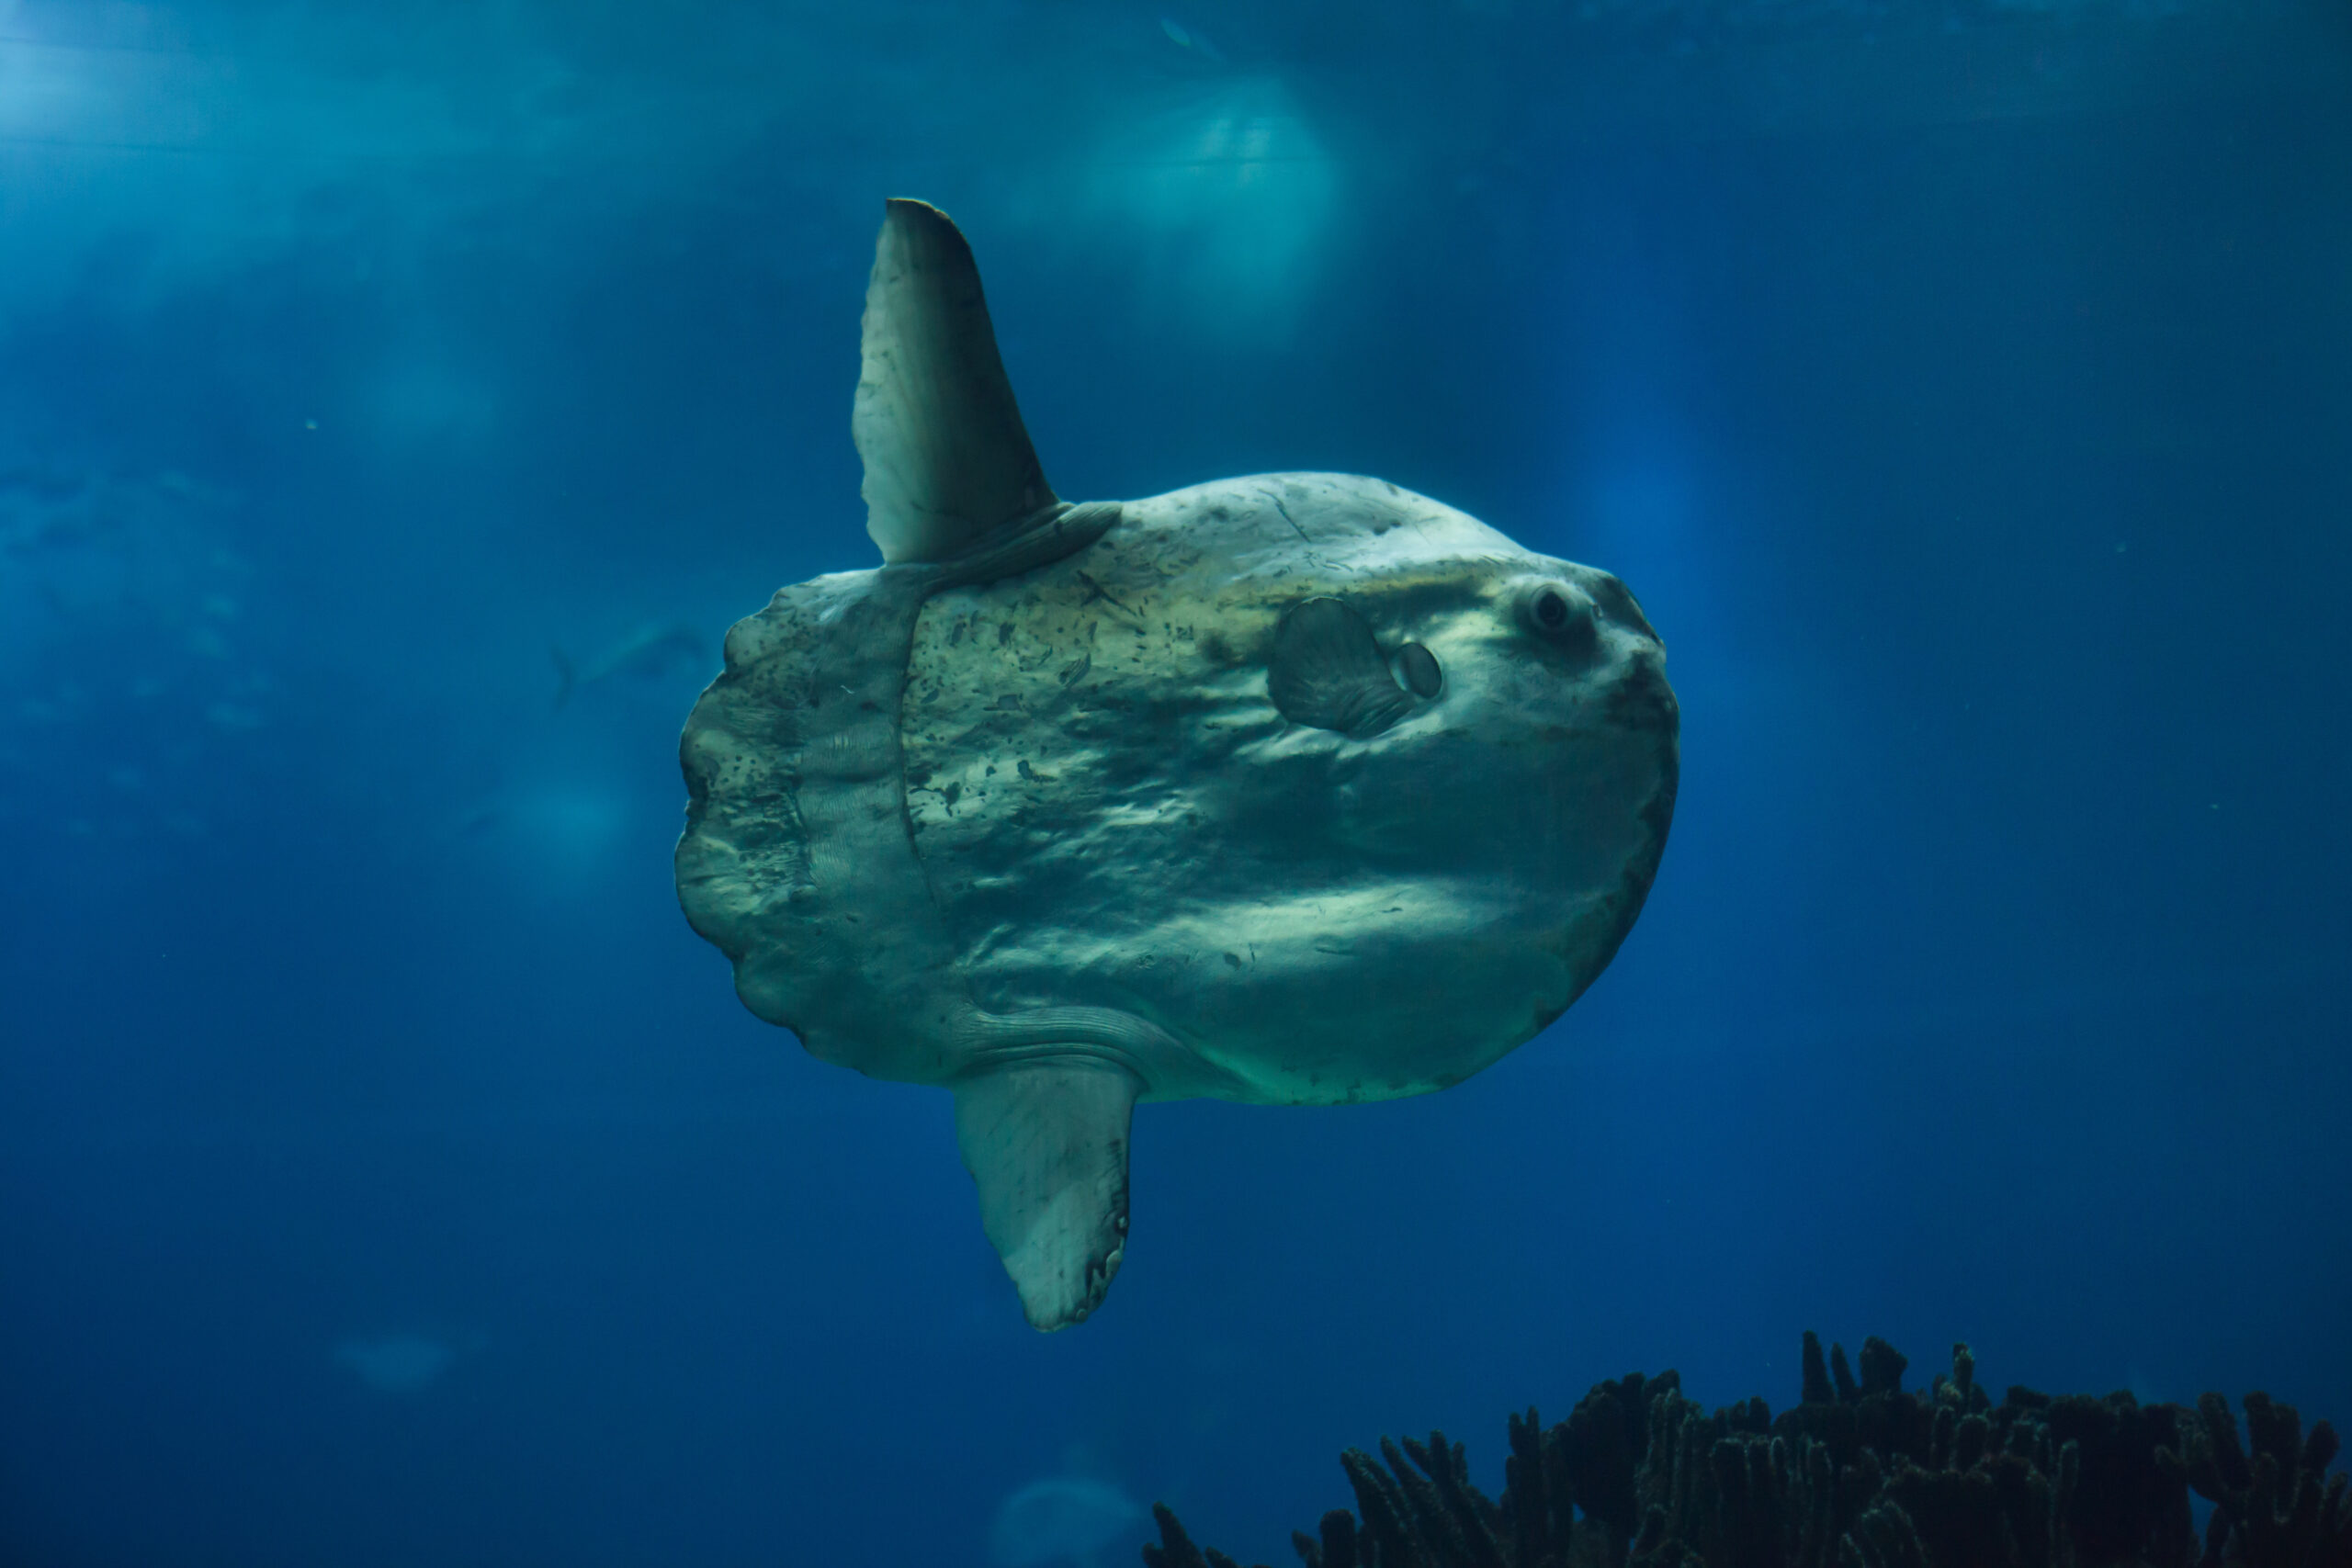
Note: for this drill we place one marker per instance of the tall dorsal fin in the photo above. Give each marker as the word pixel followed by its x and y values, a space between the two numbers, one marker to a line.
pixel 946 457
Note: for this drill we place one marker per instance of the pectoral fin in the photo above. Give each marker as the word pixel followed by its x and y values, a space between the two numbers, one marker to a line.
pixel 1329 672
pixel 1047 1141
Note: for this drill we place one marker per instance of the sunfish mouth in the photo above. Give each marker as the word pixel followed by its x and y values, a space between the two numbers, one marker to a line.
pixel 1641 701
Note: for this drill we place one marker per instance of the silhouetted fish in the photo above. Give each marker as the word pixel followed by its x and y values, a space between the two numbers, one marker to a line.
pixel 652 650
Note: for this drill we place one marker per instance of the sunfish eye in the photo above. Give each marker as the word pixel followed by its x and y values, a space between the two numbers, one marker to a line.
pixel 1559 613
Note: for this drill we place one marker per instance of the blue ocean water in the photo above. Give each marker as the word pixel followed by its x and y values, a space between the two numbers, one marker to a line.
pixel 388 1175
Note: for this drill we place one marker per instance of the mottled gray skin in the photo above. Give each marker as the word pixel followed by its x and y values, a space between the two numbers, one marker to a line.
pixel 1068 828
pixel 1111 813
pixel 1107 812
pixel 1296 789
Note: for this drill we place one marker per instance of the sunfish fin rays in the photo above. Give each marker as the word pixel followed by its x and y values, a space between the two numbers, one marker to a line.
pixel 1046 1139
pixel 1329 672
pixel 947 458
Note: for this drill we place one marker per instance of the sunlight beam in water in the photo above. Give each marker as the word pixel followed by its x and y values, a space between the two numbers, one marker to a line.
pixel 567 835
pixel 1229 196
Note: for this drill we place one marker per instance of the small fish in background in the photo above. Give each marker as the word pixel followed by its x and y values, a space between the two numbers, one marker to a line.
pixel 1186 38
pixel 653 651
pixel 45 508
pixel 1064 1519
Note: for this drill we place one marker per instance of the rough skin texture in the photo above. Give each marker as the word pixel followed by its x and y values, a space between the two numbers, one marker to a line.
pixel 1108 812
pixel 1111 811
pixel 1294 789
pixel 1036 808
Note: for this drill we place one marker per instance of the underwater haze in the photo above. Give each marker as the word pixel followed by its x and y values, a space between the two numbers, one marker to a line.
pixel 398 404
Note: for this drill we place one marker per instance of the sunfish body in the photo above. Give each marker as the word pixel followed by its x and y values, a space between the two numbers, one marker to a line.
pixel 1298 790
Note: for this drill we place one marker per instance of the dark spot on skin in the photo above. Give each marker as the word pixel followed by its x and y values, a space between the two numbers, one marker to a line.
pixel 1234 959
pixel 1289 519
pixel 1215 649
pixel 1624 907
pixel 1096 590
pixel 1003 633
pixel 1657 816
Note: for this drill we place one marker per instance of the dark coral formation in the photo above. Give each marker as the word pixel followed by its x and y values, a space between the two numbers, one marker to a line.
pixel 1858 1474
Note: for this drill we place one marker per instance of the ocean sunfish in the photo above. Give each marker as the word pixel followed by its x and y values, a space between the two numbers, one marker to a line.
pixel 1299 789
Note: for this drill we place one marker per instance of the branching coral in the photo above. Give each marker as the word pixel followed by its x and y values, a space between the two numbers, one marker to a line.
pixel 1858 1474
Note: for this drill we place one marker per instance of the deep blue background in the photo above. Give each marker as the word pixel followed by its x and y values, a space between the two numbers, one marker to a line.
pixel 1966 390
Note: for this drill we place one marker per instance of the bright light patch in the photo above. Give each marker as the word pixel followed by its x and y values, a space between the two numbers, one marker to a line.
pixel 1065 1519
pixel 571 830
pixel 44 90
pixel 1644 521
pixel 1227 196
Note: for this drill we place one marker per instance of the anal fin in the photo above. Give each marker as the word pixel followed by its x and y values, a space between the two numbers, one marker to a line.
pixel 1046 1139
